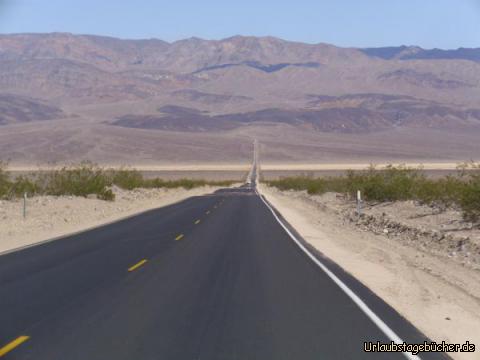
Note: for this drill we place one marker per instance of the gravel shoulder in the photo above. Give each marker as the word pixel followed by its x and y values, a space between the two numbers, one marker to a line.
pixel 50 217
pixel 407 254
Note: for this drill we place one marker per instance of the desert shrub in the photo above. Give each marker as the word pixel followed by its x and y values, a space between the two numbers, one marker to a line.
pixel 399 183
pixel 444 191
pixel 470 199
pixel 127 179
pixel 304 182
pixel 180 183
pixel 78 180
pixel 390 184
pixel 23 184
pixel 106 194
pixel 5 183
pixel 221 183
pixel 183 183
pixel 130 179
pixel 187 183
pixel 86 179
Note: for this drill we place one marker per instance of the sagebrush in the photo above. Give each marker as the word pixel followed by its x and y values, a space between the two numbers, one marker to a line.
pixel 86 179
pixel 399 183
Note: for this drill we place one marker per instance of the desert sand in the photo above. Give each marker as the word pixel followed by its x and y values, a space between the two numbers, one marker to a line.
pixel 355 166
pixel 440 297
pixel 147 168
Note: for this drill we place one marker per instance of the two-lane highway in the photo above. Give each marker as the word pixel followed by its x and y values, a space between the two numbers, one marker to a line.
pixel 212 277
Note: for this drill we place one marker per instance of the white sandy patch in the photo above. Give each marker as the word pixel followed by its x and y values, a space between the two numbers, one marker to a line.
pixel 167 167
pixel 356 166
pixel 54 216
pixel 440 297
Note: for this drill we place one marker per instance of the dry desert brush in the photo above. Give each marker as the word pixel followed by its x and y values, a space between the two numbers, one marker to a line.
pixel 86 179
pixel 395 183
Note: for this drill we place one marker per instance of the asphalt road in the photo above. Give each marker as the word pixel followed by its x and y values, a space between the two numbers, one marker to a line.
pixel 212 277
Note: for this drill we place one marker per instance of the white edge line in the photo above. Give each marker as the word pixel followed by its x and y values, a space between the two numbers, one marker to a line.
pixel 355 298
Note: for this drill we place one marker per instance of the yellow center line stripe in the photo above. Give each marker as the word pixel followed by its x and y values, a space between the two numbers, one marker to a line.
pixel 137 265
pixel 197 222
pixel 179 237
pixel 9 347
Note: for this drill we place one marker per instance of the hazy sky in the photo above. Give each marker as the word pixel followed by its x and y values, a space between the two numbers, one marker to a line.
pixel 361 23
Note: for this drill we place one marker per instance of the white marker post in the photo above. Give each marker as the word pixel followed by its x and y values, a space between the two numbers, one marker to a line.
pixel 24 205
pixel 359 202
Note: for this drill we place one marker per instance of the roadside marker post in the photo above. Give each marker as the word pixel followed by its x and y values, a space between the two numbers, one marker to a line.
pixel 24 205
pixel 359 203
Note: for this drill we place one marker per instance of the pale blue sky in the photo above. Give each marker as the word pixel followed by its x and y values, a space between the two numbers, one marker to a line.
pixel 428 23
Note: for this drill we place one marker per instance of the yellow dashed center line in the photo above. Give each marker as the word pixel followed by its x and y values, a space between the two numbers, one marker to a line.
pixel 197 222
pixel 10 346
pixel 137 265
pixel 179 237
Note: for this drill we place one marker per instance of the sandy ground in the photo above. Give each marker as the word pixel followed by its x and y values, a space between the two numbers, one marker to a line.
pixel 146 168
pixel 437 293
pixel 269 175
pixel 356 166
pixel 50 217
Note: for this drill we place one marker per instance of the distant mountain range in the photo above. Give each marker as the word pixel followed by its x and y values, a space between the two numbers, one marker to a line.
pixel 209 86
pixel 417 53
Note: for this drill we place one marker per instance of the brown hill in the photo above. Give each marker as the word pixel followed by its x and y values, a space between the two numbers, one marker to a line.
pixel 355 113
pixel 17 109
pixel 182 56
pixel 108 69
pixel 235 88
